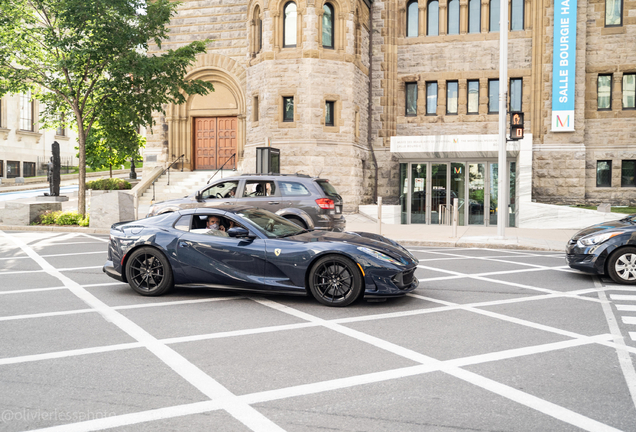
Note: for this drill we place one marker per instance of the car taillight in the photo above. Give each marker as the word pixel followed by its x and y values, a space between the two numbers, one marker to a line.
pixel 325 203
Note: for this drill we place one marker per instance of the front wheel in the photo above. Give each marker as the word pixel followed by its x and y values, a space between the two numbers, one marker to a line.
pixel 148 272
pixel 622 266
pixel 335 281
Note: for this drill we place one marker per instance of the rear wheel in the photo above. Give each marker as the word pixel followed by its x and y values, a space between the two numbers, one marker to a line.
pixel 335 281
pixel 148 272
pixel 621 266
pixel 298 221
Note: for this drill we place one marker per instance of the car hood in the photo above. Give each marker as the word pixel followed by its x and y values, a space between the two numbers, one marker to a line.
pixel 370 240
pixel 610 225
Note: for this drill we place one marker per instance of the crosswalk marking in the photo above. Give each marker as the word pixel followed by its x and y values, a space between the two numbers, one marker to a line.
pixel 629 320
pixel 626 308
pixel 623 297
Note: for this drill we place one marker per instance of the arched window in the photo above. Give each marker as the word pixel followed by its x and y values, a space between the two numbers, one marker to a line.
pixel 258 28
pixel 412 21
pixel 289 25
pixel 474 16
pixel 453 17
pixel 327 26
pixel 494 16
pixel 516 15
pixel 432 22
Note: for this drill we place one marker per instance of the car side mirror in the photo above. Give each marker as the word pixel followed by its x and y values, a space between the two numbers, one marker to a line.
pixel 239 232
pixel 199 196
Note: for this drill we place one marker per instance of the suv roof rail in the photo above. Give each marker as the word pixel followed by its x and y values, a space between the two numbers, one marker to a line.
pixel 278 174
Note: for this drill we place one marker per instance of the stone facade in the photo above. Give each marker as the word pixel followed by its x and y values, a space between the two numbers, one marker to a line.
pixel 365 75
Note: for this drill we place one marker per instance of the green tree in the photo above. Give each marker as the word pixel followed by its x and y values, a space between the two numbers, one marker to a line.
pixel 85 58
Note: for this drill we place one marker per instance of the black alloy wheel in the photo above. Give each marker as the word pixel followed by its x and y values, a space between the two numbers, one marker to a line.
pixel 621 266
pixel 148 272
pixel 335 281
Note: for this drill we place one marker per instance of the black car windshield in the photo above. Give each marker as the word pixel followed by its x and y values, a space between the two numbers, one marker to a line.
pixel 270 224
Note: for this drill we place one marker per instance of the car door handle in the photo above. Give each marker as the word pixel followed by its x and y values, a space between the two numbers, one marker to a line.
pixel 185 243
pixel 273 202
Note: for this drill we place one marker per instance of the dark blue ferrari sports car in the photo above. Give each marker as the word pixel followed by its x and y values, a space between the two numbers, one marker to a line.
pixel 246 248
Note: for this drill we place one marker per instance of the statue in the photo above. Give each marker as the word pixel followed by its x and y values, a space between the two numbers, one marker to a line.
pixel 53 171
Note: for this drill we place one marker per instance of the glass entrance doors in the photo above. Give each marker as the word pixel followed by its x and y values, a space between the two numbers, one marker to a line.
pixel 428 185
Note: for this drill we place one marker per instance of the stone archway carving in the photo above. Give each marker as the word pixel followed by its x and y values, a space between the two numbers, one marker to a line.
pixel 229 76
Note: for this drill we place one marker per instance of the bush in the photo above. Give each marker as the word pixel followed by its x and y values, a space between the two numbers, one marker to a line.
pixel 108 184
pixel 61 218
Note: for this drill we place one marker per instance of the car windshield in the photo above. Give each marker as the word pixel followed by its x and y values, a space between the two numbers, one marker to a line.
pixel 271 225
pixel 631 218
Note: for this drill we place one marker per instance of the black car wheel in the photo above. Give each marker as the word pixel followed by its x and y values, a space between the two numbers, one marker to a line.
pixel 335 281
pixel 622 266
pixel 148 272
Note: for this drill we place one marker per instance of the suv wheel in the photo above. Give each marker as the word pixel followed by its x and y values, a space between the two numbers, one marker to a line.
pixel 298 221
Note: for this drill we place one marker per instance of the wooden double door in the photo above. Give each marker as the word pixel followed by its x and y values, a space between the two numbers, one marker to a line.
pixel 215 141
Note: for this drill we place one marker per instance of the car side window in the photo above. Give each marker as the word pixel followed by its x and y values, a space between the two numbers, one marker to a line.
pixel 183 224
pixel 293 189
pixel 260 188
pixel 199 225
pixel 221 190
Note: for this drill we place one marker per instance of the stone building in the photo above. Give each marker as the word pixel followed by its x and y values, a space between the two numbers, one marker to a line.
pixel 25 147
pixel 399 99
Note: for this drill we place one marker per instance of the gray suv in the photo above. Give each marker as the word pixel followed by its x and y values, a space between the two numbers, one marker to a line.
pixel 309 202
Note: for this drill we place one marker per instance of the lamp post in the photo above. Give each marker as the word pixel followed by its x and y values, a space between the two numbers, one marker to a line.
pixel 502 189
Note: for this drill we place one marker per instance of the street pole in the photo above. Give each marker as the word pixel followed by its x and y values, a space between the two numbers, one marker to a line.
pixel 502 168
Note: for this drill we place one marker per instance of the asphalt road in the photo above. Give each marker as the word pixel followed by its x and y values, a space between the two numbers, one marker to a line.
pixel 492 340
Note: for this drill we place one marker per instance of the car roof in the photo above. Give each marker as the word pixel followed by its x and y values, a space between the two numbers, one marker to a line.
pixel 220 209
pixel 268 176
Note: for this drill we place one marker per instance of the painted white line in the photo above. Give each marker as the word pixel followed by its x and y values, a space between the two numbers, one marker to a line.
pixel 622 297
pixel 629 320
pixel 632 335
pixel 93 237
pixel 14 258
pixel 104 284
pixel 31 290
pixel 46 314
pixel 626 308
pixel 624 358
pixel 50 243
pixel 234 333
pixel 175 303
pixel 244 413
pixel 80 268
pixel 69 353
pixel 76 253
pixel 20 272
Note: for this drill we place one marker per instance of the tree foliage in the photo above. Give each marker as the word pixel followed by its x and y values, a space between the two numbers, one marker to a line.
pixel 87 60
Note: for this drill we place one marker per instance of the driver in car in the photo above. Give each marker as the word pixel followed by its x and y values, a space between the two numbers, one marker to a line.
pixel 215 227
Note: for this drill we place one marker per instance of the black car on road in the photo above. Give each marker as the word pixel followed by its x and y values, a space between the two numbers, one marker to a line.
pixel 309 202
pixel 254 249
pixel 608 248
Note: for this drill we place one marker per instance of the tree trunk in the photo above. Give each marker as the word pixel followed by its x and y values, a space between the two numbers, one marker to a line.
pixel 81 193
pixel 111 171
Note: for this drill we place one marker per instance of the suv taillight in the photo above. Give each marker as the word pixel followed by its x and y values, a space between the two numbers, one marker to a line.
pixel 325 203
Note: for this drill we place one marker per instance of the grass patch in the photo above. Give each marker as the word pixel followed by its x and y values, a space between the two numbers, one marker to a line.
pixel 624 210
pixel 61 218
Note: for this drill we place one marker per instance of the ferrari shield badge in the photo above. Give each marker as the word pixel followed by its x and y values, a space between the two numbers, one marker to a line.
pixel 277 252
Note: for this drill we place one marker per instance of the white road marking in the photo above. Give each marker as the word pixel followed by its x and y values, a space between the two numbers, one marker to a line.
pixel 626 308
pixel 632 335
pixel 195 376
pixel 80 268
pixel 32 290
pixel 629 319
pixel 622 297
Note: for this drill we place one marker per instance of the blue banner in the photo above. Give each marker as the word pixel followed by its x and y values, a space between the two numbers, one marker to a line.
pixel 564 66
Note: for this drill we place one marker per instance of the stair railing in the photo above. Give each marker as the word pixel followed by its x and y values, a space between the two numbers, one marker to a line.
pixel 163 172
pixel 217 171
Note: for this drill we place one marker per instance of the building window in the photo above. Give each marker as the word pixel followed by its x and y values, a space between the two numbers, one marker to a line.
pixel 1 168
pixel 628 171
pixel 411 98
pixel 451 97
pixel 431 98
pixel 474 16
pixel 412 19
pixel 13 169
pixel 327 26
pixel 432 21
pixel 61 131
pixel 493 96
pixel 613 13
pixel 494 16
pixel 604 88
pixel 516 15
pixel 26 112
pixel 289 25
pixel 329 113
pixel 516 94
pixel 258 27
pixel 288 109
pixel 453 17
pixel 603 173
pixel 473 97
pixel 28 169
pixel 255 113
pixel 629 91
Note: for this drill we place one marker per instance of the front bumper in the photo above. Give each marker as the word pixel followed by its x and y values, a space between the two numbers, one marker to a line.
pixel 391 285
pixel 586 259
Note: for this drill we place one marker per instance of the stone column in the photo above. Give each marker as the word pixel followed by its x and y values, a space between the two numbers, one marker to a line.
pixel 276 37
pixel 483 96
pixel 463 16
pixel 462 97
pixel 422 19
pixel 484 16
pixel 443 17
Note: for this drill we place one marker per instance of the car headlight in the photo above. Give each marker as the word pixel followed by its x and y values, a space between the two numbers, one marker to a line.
pixel 379 255
pixel 596 239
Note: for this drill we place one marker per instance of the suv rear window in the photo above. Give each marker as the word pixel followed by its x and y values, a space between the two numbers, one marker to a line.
pixel 293 189
pixel 328 189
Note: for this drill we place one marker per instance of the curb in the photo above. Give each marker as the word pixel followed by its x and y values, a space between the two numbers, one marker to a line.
pixel 60 228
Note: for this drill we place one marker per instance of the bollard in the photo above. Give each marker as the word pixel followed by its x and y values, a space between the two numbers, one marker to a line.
pixel 380 215
pixel 455 215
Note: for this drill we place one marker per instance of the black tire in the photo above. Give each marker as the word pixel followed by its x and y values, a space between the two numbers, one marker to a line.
pixel 298 221
pixel 335 280
pixel 148 272
pixel 621 266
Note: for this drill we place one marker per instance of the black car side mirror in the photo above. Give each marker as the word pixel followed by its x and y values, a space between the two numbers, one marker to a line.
pixel 239 232
pixel 198 196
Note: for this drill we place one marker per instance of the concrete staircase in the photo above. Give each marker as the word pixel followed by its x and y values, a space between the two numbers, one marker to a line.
pixel 181 184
